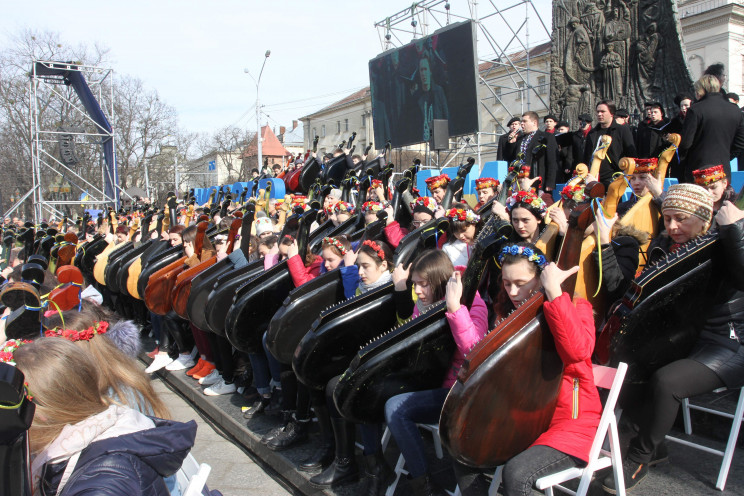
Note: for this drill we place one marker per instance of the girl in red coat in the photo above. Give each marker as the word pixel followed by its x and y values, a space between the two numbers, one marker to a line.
pixel 567 441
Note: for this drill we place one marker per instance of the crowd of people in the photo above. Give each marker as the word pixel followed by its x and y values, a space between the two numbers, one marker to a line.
pixel 100 425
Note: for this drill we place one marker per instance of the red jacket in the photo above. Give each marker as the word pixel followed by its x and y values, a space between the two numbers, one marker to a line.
pixel 577 413
pixel 394 233
pixel 301 274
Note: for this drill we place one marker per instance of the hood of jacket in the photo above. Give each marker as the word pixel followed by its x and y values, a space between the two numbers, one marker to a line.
pixel 162 445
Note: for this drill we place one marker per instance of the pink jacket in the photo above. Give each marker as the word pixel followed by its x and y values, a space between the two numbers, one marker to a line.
pixel 394 233
pixel 577 413
pixel 467 328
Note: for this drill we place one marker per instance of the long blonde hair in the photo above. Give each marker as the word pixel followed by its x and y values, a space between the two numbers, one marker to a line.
pixel 118 373
pixel 63 381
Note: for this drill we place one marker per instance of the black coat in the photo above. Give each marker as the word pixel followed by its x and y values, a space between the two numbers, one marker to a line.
pixel 544 163
pixel 507 151
pixel 719 346
pixel 713 134
pixel 650 140
pixel 622 146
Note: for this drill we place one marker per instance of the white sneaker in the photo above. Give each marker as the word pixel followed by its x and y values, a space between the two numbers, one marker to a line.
pixel 181 363
pixel 161 360
pixel 219 388
pixel 212 378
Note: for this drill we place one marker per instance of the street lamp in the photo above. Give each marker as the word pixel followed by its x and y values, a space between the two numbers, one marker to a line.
pixel 258 109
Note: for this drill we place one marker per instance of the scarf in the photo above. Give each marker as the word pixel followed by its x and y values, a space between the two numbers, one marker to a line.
pixel 114 421
pixel 384 278
pixel 526 139
pixel 424 308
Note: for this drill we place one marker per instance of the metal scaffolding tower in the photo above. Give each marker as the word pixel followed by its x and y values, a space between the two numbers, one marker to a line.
pixel 90 108
pixel 504 47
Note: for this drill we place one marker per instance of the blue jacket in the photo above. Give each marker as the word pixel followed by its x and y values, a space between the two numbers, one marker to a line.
pixel 128 465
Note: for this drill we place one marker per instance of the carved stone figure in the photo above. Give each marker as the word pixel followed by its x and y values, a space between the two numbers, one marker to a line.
pixel 624 50
pixel 578 61
pixel 647 49
pixel 612 73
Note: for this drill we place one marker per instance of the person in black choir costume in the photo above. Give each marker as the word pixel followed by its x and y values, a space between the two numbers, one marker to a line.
pixel 540 151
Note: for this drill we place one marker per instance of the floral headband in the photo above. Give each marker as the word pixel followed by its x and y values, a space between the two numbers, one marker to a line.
pixel 376 248
pixel 527 198
pixel 526 252
pixel 705 177
pixel 463 215
pixel 645 165
pixel 344 207
pixel 371 207
pixel 440 181
pixel 335 243
pixel 486 182
pixel 426 202
pixel 522 170
pixel 376 183
pixel 99 327
pixel 9 347
pixel 574 192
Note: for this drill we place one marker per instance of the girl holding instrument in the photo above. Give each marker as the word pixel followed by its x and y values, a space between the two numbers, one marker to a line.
pixel 373 260
pixel 717 358
pixel 526 212
pixel 463 229
pixel 566 443
pixel 434 278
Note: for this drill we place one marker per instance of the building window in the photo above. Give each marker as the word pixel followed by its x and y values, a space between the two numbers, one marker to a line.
pixel 346 124
pixel 338 127
pixel 322 131
pixel 497 92
pixel 520 90
pixel 315 133
pixel 542 85
pixel 364 120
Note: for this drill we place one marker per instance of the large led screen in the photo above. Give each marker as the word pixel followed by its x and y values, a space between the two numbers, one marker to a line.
pixel 430 78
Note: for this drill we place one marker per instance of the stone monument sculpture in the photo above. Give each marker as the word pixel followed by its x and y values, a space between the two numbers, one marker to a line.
pixel 629 51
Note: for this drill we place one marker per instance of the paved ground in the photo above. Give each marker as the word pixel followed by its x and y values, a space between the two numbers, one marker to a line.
pixel 234 472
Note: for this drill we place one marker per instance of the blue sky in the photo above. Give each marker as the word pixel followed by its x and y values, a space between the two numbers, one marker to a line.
pixel 193 53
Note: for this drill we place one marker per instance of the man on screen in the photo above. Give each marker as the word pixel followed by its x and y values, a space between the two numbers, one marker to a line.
pixel 430 102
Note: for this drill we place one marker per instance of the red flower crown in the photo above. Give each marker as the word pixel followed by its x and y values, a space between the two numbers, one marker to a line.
pixel 463 215
pixel 371 206
pixel 99 327
pixel 335 243
pixel 376 248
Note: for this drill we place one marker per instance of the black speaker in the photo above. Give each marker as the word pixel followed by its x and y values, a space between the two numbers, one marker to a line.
pixel 439 135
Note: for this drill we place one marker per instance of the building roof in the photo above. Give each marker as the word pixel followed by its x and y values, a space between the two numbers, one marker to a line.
pixel 270 145
pixel 357 95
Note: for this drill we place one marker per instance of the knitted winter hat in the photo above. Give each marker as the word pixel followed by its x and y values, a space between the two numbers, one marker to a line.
pixel 263 224
pixel 689 198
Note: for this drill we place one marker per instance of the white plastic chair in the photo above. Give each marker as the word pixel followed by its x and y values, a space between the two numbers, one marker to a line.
pixel 400 465
pixel 599 458
pixel 192 476
pixel 728 454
